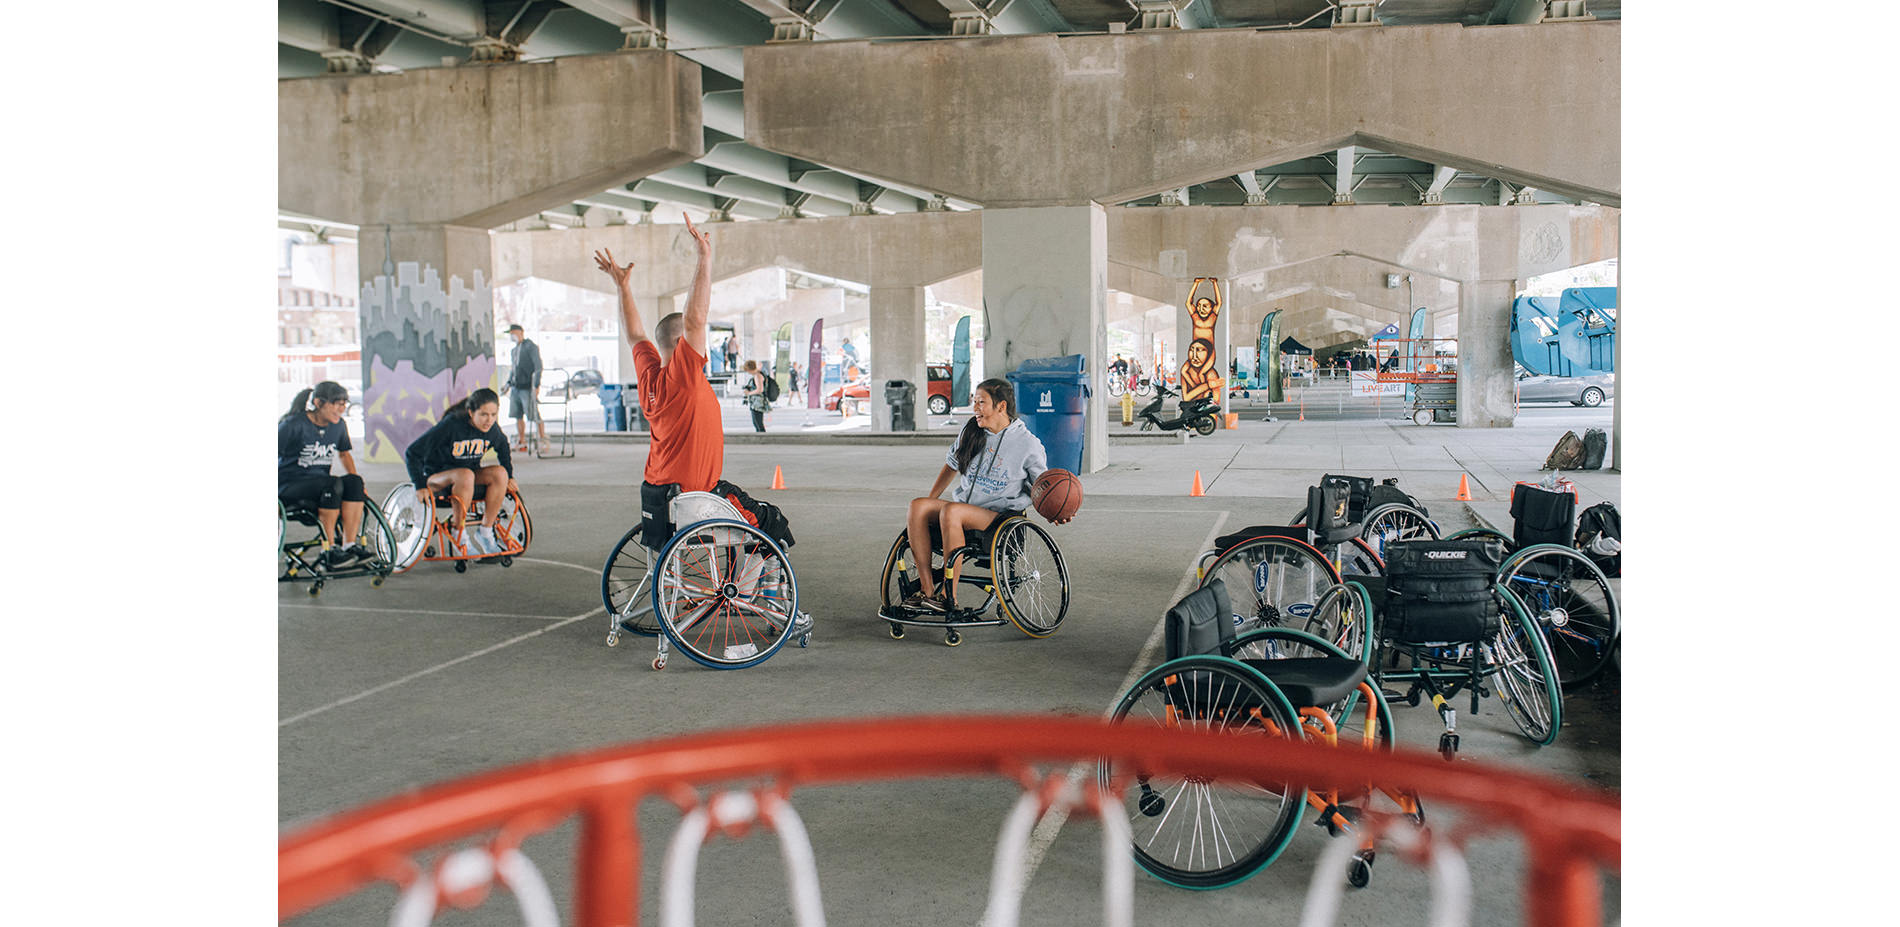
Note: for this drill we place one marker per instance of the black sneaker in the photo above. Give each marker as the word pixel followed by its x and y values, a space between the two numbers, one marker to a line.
pixel 336 558
pixel 924 603
pixel 362 554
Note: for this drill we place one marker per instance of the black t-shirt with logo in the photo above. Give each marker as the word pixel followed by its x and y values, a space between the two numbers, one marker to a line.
pixel 455 442
pixel 306 451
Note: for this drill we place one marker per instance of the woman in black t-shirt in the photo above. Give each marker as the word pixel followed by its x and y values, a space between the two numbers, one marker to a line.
pixel 310 437
pixel 448 458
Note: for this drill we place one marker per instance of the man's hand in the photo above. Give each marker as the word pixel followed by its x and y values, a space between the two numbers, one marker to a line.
pixel 604 259
pixel 705 241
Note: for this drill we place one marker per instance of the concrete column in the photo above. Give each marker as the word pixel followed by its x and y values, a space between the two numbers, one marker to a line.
pixel 427 319
pixel 897 347
pixel 1484 354
pixel 1045 293
pixel 749 341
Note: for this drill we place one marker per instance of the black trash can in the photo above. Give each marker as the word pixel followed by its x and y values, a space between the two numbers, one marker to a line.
pixel 611 404
pixel 1052 399
pixel 901 396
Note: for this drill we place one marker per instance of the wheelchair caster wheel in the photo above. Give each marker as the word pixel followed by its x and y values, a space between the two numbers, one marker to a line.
pixel 897 632
pixel 804 641
pixel 507 561
pixel 461 566
pixel 613 638
pixel 1359 875
pixel 315 588
pixel 1448 746
pixel 1150 803
pixel 376 581
pixel 659 663
pixel 952 638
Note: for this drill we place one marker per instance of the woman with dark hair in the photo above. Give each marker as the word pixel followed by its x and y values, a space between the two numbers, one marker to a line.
pixel 994 463
pixel 311 436
pixel 448 458
pixel 754 394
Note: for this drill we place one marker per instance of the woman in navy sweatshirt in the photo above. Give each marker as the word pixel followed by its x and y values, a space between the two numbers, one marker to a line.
pixel 448 458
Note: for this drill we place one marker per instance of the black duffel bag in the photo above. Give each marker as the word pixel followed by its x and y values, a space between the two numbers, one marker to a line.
pixel 1441 590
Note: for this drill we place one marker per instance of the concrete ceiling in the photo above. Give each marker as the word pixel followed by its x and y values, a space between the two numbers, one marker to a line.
pixel 328 36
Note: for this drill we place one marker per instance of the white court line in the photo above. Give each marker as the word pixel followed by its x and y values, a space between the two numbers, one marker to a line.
pixel 572 566
pixel 417 611
pixel 597 610
pixel 1045 832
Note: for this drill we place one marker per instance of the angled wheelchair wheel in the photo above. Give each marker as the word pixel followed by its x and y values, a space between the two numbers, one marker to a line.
pixel 1571 602
pixel 1356 557
pixel 379 536
pixel 513 522
pixel 282 525
pixel 409 522
pixel 1032 583
pixel 724 594
pixel 626 586
pixel 1396 521
pixel 1519 666
pixel 1192 831
pixel 899 580
pixel 1272 581
pixel 1338 620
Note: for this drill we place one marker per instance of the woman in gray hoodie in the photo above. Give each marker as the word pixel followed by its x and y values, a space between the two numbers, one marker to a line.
pixel 994 463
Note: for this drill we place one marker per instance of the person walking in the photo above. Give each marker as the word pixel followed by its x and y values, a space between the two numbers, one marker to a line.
pixel 753 395
pixel 524 390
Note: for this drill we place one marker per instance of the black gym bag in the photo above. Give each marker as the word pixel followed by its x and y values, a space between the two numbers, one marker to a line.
pixel 1441 590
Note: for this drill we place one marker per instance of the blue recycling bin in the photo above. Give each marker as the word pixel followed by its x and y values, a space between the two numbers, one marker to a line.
pixel 612 396
pixel 1052 396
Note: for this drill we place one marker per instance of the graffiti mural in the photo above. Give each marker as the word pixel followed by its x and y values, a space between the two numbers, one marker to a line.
pixel 1200 370
pixel 423 347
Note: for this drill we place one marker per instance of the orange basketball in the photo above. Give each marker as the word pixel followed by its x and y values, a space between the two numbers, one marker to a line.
pixel 1056 495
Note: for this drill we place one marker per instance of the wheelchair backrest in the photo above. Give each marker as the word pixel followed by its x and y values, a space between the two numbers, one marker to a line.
pixel 1328 513
pixel 1539 516
pixel 1358 494
pixel 1202 622
pixel 689 507
pixel 1441 590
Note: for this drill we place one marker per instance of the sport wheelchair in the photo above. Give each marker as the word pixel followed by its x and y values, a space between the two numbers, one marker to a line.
pixel 299 560
pixel 720 589
pixel 1013 563
pixel 1381 512
pixel 433 534
pixel 1271 682
pixel 1573 602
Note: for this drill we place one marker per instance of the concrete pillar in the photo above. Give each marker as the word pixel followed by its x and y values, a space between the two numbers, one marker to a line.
pixel 1223 339
pixel 1045 293
pixel 427 317
pixel 1485 382
pixel 897 347
pixel 749 341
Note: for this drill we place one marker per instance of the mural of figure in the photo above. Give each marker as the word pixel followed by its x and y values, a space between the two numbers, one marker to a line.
pixel 1200 371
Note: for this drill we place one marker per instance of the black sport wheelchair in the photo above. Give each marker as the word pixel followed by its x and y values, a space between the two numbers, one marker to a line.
pixel 1012 563
pixel 1265 682
pixel 1564 590
pixel 302 561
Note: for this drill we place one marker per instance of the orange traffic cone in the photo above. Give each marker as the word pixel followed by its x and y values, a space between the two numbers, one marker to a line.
pixel 778 478
pixel 1197 490
pixel 1464 488
pixel 1302 405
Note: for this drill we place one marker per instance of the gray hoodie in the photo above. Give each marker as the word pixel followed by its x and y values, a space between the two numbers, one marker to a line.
pixel 1002 471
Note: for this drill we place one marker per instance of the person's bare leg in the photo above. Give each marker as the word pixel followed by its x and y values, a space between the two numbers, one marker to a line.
pixel 326 523
pixel 494 482
pixel 957 518
pixel 352 523
pixel 917 528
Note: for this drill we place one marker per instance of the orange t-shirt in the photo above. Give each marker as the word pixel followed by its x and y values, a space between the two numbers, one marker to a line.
pixel 689 443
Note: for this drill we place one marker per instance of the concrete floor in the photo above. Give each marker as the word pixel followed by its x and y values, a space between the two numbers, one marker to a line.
pixel 438 675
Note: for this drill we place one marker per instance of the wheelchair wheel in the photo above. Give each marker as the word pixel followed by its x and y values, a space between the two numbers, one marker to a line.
pixel 725 594
pixel 514 523
pixel 624 586
pixel 1032 583
pixel 1191 831
pixel 1357 558
pixel 899 581
pixel 1272 582
pixel 408 522
pixel 282 525
pixel 1396 521
pixel 1339 619
pixel 1571 602
pixel 378 535
pixel 1518 662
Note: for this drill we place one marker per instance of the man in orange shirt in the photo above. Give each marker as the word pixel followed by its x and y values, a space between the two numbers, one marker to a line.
pixel 688 450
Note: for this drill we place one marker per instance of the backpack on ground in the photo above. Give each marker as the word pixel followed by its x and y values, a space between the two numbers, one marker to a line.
pixel 1600 537
pixel 1567 455
pixel 771 389
pixel 1595 443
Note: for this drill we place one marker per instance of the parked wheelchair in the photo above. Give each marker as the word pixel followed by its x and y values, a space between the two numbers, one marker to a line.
pixel 1447 623
pixel 301 561
pixel 719 588
pixel 1381 512
pixel 1562 588
pixel 1013 563
pixel 1264 682
pixel 436 532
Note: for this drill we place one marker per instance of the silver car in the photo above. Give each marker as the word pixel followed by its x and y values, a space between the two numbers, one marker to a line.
pixel 1578 391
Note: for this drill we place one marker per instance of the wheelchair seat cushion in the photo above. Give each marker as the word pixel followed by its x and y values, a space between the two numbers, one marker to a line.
pixel 1202 622
pixel 1310 682
pixel 1297 533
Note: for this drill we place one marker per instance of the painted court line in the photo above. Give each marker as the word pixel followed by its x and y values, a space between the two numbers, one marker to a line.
pixel 597 610
pixel 1045 832
pixel 418 611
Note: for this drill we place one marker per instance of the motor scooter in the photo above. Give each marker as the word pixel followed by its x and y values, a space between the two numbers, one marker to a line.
pixel 1197 414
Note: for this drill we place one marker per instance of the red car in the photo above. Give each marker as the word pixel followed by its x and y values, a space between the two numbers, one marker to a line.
pixel 937 391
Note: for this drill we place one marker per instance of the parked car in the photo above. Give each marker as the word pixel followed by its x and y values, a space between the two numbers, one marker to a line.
pixel 1578 391
pixel 938 389
pixel 858 391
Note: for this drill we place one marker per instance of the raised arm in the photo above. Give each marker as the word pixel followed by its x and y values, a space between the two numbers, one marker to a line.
pixel 629 314
pixel 1216 282
pixel 699 302
pixel 1193 289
